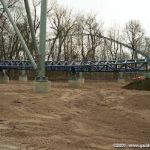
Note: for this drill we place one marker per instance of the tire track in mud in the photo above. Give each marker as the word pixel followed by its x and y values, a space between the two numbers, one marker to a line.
pixel 55 147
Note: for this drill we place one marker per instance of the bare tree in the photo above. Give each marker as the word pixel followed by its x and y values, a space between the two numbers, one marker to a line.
pixel 5 29
pixel 93 29
pixel 114 49
pixel 134 36
pixel 62 25
pixel 146 47
pixel 87 31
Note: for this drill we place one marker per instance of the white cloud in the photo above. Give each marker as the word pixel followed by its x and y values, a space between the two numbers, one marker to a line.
pixel 114 11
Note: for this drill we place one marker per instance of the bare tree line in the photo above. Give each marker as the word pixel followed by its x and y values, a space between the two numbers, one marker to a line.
pixel 70 36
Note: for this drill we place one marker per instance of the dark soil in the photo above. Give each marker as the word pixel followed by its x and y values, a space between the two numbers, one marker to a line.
pixel 139 85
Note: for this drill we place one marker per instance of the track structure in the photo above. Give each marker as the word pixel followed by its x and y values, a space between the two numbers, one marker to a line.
pixel 140 65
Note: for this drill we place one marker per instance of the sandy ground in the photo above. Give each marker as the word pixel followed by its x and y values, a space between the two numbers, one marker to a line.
pixel 90 118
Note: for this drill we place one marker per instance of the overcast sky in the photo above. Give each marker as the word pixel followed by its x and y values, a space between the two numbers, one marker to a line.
pixel 114 11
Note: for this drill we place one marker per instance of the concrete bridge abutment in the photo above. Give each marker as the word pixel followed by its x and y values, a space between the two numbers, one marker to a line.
pixel 3 77
pixel 121 77
pixel 76 82
pixel 23 77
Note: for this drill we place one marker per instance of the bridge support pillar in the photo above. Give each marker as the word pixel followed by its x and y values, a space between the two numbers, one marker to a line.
pixel 121 77
pixel 23 77
pixel 147 75
pixel 3 77
pixel 41 86
pixel 81 78
pixel 74 82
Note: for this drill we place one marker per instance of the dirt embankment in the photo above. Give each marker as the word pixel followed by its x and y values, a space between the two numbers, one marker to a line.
pixel 90 118
pixel 138 85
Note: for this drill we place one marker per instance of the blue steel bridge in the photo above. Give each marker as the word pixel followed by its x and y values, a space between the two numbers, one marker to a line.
pixel 140 65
